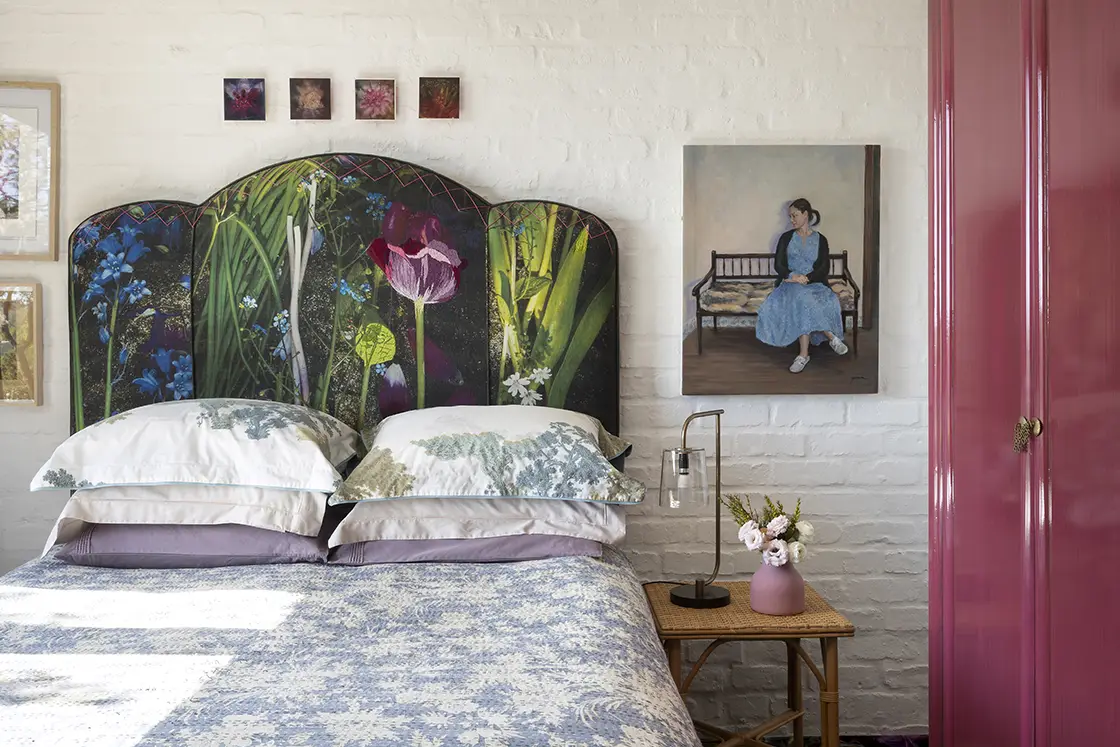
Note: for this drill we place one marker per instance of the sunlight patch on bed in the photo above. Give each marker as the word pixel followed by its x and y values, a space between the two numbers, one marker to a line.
pixel 92 608
pixel 110 701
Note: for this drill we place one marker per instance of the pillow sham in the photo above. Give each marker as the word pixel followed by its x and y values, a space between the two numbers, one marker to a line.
pixel 464 518
pixel 470 550
pixel 178 546
pixel 206 442
pixel 614 448
pixel 298 512
pixel 491 451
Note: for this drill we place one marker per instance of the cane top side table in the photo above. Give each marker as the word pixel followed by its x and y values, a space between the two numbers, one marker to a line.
pixel 738 622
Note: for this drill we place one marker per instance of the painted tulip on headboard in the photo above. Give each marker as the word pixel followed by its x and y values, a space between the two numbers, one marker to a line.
pixel 419 265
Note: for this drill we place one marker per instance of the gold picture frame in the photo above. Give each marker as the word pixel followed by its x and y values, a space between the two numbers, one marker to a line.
pixel 21 343
pixel 30 122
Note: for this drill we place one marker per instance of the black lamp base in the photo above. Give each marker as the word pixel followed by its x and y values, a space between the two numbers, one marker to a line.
pixel 707 597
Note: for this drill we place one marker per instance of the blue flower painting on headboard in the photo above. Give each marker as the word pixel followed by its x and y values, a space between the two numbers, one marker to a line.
pixel 126 267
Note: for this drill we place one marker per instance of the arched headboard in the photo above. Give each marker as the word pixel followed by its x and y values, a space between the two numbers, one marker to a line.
pixel 311 281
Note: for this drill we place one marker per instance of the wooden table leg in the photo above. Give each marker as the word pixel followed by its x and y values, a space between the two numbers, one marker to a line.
pixel 673 652
pixel 830 694
pixel 795 699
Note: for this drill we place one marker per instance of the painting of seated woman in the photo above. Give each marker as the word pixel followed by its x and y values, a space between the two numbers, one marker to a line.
pixel 781 269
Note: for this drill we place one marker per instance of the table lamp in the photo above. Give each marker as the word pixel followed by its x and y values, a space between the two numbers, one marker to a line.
pixel 684 483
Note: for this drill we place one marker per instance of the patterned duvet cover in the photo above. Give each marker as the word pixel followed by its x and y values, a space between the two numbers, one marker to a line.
pixel 553 652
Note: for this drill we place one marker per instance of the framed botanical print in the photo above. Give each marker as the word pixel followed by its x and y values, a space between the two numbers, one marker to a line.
pixel 21 343
pixel 29 164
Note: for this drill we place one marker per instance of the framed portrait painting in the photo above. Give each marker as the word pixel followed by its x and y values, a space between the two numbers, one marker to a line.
pixel 29 164
pixel 781 269
pixel 21 343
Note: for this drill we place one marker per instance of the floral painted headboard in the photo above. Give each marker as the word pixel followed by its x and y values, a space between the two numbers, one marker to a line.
pixel 359 285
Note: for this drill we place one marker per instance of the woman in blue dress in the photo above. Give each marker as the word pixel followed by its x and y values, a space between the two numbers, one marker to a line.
pixel 803 308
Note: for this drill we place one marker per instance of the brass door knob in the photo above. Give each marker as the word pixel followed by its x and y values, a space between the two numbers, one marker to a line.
pixel 1025 430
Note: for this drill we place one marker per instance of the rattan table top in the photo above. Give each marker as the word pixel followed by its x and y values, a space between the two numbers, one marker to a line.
pixel 738 620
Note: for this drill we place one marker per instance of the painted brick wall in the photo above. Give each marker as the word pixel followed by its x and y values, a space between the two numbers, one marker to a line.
pixel 588 102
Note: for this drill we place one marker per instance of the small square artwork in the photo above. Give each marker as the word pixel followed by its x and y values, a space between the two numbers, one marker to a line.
pixel 21 344
pixel 439 98
pixel 311 98
pixel 244 99
pixel 375 99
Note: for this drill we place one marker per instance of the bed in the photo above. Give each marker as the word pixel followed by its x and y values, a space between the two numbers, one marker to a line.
pixel 274 289
pixel 549 652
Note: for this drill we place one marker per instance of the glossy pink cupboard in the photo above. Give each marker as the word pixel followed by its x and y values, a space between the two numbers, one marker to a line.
pixel 1025 322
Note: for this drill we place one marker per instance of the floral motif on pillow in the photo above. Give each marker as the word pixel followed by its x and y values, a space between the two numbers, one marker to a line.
pixel 205 442
pixel 491 451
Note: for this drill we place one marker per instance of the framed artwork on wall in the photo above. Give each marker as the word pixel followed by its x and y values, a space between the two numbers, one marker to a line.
pixel 21 343
pixel 244 99
pixel 439 98
pixel 781 269
pixel 29 165
pixel 375 99
pixel 311 98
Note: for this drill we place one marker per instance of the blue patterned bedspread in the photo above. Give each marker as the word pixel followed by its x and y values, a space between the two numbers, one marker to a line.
pixel 553 653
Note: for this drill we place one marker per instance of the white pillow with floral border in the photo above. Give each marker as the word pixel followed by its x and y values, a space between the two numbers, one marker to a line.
pixel 475 518
pixel 491 451
pixel 295 511
pixel 245 442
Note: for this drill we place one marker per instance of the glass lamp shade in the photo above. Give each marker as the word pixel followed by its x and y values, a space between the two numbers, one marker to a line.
pixel 684 479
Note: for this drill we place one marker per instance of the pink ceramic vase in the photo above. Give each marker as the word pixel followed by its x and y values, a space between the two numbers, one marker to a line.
pixel 778 590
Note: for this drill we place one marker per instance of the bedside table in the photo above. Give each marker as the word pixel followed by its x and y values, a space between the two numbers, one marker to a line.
pixel 738 622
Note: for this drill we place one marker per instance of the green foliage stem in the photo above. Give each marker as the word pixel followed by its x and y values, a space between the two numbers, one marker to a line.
pixel 76 367
pixel 109 356
pixel 771 509
pixel 420 377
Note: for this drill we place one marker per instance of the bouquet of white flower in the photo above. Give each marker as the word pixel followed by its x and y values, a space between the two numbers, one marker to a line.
pixel 780 536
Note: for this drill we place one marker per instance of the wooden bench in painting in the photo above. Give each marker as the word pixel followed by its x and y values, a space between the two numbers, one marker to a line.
pixel 737 284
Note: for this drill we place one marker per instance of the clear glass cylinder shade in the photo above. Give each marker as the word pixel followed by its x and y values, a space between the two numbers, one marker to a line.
pixel 684 479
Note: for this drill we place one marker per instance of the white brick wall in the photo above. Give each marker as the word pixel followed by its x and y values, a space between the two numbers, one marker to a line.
pixel 590 105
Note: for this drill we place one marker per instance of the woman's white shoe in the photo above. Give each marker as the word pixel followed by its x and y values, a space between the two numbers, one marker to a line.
pixel 799 364
pixel 837 345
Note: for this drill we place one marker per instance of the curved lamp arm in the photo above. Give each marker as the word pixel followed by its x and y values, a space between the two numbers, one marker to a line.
pixel 700 583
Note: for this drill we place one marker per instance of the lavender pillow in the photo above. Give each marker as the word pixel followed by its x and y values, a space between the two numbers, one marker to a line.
pixel 196 546
pixel 467 550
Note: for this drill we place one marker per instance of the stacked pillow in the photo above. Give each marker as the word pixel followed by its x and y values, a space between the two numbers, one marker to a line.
pixel 484 483
pixel 202 483
pixel 198 483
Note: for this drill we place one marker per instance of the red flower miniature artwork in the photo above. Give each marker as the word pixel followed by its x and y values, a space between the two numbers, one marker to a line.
pixel 244 99
pixel 439 98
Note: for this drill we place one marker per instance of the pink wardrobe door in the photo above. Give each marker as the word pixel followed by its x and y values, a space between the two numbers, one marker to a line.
pixel 1083 377
pixel 979 541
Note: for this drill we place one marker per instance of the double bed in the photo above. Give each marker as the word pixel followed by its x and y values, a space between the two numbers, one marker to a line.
pixel 558 651
pixel 553 651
